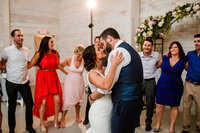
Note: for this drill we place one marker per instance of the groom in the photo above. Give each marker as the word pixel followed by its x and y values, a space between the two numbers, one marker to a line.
pixel 127 84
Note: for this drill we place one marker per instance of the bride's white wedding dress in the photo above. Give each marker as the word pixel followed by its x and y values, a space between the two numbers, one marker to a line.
pixel 100 111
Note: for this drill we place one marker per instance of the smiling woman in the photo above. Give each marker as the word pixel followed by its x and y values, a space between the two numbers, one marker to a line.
pixel 48 92
pixel 170 84
pixel 74 89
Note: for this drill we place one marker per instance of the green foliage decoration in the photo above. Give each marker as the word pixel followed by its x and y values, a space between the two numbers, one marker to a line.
pixel 157 27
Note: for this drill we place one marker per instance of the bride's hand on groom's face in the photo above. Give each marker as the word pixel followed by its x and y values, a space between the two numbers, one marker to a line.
pixel 117 58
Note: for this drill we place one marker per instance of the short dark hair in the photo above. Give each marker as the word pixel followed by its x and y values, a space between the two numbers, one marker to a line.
pixel 89 57
pixel 181 52
pixel 97 37
pixel 13 32
pixel 197 35
pixel 109 31
pixel 149 40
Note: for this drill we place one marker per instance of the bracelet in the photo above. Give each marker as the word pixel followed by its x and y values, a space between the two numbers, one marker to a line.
pixel 91 98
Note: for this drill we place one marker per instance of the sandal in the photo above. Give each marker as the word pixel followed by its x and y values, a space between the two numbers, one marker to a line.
pixel 56 125
pixel 62 124
pixel 43 130
pixel 156 130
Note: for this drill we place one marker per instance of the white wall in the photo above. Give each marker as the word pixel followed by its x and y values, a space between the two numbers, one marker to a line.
pixel 75 18
pixel 30 16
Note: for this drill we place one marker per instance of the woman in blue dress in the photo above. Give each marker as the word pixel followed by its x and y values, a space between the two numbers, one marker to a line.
pixel 170 84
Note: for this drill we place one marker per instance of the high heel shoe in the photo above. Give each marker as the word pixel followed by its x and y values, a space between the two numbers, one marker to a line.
pixel 43 129
pixel 56 125
pixel 62 124
pixel 156 130
pixel 173 130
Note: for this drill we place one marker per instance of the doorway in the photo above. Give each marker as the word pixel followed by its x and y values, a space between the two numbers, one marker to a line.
pixel 37 39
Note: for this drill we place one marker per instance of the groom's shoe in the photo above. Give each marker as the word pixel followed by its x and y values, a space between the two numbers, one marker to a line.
pixel 85 122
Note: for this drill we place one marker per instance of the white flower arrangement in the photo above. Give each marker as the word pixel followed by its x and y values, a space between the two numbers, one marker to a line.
pixel 157 27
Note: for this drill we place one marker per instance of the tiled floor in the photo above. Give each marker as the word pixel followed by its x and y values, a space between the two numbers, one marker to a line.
pixel 73 127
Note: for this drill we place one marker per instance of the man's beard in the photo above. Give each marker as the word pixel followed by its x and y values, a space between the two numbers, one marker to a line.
pixel 108 47
pixel 197 47
pixel 19 43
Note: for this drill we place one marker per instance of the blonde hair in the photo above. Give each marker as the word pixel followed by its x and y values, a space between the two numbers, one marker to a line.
pixel 79 48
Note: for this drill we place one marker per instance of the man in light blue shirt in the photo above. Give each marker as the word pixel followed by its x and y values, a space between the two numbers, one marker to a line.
pixel 149 62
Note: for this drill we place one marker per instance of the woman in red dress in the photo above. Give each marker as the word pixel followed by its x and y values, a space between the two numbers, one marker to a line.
pixel 48 92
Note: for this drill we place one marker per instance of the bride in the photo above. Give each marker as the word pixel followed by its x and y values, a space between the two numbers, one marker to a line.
pixel 101 109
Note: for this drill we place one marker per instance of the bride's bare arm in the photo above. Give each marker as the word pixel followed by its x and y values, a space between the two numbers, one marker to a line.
pixel 106 82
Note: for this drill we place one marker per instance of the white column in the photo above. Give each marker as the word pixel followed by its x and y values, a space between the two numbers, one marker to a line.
pixel 135 13
pixel 6 22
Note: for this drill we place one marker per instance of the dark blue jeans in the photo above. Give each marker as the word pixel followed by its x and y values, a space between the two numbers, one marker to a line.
pixel 25 91
pixel 125 116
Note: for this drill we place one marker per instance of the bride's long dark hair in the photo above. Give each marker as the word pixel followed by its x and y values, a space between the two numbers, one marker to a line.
pixel 89 57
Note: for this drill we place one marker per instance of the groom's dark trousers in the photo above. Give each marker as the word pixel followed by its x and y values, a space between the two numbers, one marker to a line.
pixel 126 112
